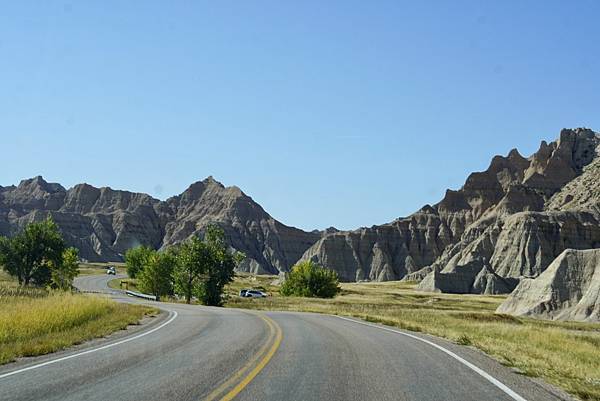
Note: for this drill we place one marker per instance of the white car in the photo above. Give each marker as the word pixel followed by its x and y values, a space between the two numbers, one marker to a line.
pixel 111 270
pixel 252 294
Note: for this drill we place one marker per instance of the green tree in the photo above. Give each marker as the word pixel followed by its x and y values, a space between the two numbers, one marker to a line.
pixel 220 270
pixel 64 273
pixel 193 256
pixel 308 279
pixel 204 267
pixel 157 276
pixel 30 254
pixel 136 259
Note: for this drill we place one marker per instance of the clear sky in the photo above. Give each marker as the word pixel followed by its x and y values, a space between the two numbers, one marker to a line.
pixel 328 113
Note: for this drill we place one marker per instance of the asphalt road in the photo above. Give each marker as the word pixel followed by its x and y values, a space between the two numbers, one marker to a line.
pixel 202 353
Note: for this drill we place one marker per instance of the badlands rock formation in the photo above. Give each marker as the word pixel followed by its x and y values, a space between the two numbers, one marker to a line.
pixel 569 289
pixel 506 222
pixel 104 223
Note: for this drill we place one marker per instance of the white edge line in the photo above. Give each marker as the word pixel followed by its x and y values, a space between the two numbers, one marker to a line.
pixel 468 364
pixel 174 315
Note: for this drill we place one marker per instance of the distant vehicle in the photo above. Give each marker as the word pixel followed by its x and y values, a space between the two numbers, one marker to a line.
pixel 252 294
pixel 111 270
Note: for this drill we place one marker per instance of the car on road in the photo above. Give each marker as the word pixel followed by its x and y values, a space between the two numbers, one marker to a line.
pixel 111 270
pixel 252 294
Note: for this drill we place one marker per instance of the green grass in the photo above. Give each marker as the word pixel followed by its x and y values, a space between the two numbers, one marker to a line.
pixel 35 321
pixel 566 354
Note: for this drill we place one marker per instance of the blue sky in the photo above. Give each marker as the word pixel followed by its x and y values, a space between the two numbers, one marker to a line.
pixel 328 113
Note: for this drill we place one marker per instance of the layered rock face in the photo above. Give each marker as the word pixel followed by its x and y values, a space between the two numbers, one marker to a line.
pixel 104 223
pixel 269 245
pixel 386 252
pixel 509 221
pixel 569 289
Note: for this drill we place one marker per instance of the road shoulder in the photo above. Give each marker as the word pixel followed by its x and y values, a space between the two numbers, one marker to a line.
pixel 530 388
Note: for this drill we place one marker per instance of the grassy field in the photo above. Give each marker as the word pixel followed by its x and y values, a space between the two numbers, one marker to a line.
pixel 35 321
pixel 99 268
pixel 566 354
pixel 123 284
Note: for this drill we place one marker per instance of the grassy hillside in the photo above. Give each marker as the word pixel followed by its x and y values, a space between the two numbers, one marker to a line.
pixel 35 321
pixel 566 354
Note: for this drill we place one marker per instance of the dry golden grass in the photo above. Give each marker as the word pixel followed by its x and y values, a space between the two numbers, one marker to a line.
pixel 566 354
pixel 36 322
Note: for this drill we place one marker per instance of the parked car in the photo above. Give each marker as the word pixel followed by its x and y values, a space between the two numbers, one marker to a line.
pixel 252 294
pixel 111 270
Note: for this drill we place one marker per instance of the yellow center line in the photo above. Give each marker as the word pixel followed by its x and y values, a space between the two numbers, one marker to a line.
pixel 274 332
pixel 237 375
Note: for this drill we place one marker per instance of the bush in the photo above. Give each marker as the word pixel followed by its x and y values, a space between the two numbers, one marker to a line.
pixel 307 279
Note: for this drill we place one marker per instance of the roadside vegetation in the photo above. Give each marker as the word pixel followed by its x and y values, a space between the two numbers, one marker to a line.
pixel 307 279
pixel 35 321
pixel 198 269
pixel 124 284
pixel 566 354
pixel 38 312
pixel 136 258
pixel 37 256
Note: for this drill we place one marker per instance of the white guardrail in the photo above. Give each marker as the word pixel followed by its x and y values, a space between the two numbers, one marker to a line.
pixel 140 295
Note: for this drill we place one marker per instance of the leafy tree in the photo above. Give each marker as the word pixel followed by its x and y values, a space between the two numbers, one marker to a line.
pixel 308 279
pixel 64 273
pixel 204 267
pixel 157 276
pixel 220 271
pixel 30 254
pixel 193 257
pixel 136 259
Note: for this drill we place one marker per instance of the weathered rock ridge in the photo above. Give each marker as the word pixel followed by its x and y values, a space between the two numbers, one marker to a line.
pixel 103 223
pixel 569 289
pixel 506 222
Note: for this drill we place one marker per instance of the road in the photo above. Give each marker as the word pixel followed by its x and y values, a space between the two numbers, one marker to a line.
pixel 204 353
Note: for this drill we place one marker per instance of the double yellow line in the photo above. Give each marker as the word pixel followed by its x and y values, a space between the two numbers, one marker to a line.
pixel 263 356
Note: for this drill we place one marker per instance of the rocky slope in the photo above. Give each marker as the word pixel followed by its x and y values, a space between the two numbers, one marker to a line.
pixel 509 221
pixel 569 289
pixel 104 223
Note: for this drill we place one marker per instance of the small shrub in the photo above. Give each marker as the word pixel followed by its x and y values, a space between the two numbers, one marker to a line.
pixel 307 279
pixel 463 339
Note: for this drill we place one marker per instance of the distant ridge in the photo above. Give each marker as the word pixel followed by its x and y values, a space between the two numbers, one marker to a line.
pixel 103 223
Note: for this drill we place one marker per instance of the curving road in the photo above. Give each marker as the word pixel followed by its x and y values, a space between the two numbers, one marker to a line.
pixel 203 353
